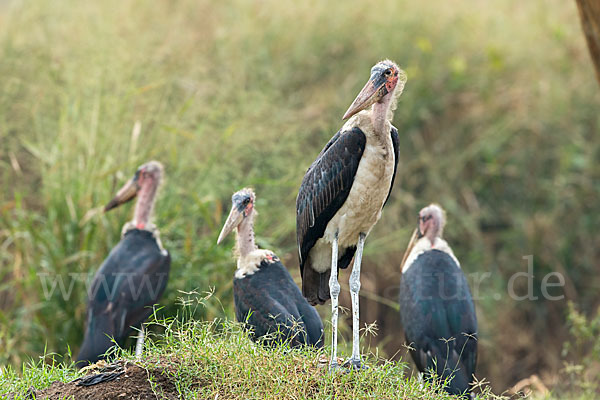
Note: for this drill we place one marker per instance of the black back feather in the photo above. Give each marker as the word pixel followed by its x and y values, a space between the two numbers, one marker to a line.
pixel 270 302
pixel 131 279
pixel 439 320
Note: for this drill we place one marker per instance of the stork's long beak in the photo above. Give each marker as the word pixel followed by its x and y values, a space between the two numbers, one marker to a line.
pixel 367 96
pixel 125 194
pixel 233 220
pixel 413 240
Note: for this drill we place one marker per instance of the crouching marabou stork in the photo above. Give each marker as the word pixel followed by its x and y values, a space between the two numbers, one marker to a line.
pixel 134 275
pixel 264 293
pixel 343 193
pixel 437 311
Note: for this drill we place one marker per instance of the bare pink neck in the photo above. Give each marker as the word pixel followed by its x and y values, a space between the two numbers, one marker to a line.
pixel 434 231
pixel 379 113
pixel 145 203
pixel 245 236
pixel 432 236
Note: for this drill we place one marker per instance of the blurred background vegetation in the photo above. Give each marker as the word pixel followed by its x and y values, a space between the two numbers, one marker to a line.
pixel 499 123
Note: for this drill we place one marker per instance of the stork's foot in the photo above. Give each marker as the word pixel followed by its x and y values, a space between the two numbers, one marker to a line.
pixel 333 367
pixel 354 364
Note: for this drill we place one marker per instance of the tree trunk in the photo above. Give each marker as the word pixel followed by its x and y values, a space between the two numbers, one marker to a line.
pixel 589 13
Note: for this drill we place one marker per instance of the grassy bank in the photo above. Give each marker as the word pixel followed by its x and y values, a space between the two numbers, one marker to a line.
pixel 216 360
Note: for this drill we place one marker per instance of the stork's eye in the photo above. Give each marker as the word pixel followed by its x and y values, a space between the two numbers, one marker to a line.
pixel 246 201
pixel 388 72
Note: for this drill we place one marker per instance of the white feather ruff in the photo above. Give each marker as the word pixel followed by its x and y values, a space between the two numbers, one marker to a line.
pixel 247 265
pixel 423 245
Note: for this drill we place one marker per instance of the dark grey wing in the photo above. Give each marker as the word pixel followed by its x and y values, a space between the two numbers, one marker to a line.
pixel 312 321
pixel 325 187
pixel 262 313
pixel 131 279
pixel 142 291
pixel 270 302
pixel 258 305
pixel 307 326
pixel 438 316
pixel 395 143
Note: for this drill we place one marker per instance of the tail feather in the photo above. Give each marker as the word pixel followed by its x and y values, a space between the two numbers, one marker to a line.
pixel 345 259
pixel 315 285
pixel 450 366
pixel 99 334
pixel 324 294
pixel 93 347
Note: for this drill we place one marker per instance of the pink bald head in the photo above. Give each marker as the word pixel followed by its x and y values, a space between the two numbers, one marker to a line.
pixel 431 222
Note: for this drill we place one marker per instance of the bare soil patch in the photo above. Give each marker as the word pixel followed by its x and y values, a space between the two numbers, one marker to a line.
pixel 134 383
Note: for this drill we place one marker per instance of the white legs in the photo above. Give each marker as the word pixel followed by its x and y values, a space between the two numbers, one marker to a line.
pixel 139 344
pixel 334 290
pixel 354 289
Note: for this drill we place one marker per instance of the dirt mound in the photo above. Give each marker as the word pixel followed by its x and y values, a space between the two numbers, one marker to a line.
pixel 134 383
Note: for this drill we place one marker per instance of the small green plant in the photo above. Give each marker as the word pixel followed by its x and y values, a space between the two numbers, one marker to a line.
pixel 583 352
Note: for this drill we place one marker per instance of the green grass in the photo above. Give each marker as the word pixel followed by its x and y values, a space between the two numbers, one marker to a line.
pixel 498 123
pixel 216 359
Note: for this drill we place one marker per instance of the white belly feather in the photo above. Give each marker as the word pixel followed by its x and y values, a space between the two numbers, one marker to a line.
pixel 362 208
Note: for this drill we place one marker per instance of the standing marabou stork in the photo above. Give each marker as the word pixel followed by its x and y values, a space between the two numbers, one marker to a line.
pixel 134 275
pixel 437 311
pixel 343 193
pixel 264 293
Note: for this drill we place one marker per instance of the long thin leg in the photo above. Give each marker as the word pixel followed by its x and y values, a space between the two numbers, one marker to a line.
pixel 354 289
pixel 334 290
pixel 139 345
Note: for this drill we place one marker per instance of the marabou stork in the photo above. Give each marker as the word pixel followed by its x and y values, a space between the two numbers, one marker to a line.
pixel 134 275
pixel 264 293
pixel 343 193
pixel 437 311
